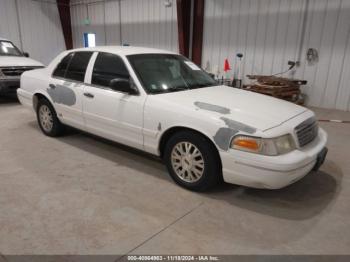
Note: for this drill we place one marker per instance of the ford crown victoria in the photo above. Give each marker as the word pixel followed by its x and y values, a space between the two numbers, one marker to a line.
pixel 164 104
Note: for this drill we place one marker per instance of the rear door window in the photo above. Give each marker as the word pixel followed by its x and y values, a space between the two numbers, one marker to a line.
pixel 61 68
pixel 77 66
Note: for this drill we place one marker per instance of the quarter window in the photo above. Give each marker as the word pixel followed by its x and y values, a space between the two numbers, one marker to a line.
pixel 108 67
pixel 60 70
pixel 77 66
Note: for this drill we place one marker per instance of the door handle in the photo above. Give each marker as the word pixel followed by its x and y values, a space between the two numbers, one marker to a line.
pixel 89 95
pixel 52 86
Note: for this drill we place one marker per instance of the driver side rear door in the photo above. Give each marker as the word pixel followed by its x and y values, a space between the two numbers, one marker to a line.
pixel 66 87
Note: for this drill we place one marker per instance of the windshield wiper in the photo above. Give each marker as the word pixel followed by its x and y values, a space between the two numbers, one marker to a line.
pixel 201 86
pixel 169 90
pixel 177 88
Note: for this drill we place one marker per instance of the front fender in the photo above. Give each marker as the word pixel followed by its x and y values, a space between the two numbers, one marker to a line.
pixel 159 129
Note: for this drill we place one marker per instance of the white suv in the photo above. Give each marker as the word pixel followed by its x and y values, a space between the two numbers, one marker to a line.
pixel 13 63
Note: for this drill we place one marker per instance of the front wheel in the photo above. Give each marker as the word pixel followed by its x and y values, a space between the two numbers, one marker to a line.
pixel 47 119
pixel 192 161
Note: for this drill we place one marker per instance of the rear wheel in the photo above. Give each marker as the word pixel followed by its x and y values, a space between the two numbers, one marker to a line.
pixel 47 119
pixel 192 161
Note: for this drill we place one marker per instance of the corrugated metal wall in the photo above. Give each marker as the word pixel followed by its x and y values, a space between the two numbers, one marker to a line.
pixel 97 13
pixel 39 27
pixel 8 21
pixel 143 23
pixel 269 33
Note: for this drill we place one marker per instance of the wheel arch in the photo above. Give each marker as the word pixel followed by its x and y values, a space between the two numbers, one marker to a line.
pixel 37 96
pixel 167 134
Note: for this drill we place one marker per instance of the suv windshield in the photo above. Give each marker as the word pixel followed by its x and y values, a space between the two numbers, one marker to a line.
pixel 9 49
pixel 163 73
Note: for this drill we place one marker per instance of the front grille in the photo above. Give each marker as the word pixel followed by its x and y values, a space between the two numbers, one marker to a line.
pixel 16 71
pixel 307 131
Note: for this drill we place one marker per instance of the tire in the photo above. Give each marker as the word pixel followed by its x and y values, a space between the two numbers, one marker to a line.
pixel 47 119
pixel 184 153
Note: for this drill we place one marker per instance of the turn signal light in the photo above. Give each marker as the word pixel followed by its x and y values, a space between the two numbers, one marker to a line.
pixel 247 143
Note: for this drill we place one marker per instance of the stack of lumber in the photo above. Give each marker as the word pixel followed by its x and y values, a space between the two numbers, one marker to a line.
pixel 279 87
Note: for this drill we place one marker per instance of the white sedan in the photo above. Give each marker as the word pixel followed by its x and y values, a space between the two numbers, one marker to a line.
pixel 162 103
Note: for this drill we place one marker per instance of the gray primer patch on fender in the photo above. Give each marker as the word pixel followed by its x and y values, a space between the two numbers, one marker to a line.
pixel 223 137
pixel 224 134
pixel 214 108
pixel 238 125
pixel 62 95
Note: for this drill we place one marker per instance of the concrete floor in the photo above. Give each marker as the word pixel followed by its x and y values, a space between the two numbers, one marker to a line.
pixel 82 195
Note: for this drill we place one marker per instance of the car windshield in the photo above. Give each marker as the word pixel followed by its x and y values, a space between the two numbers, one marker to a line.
pixel 163 73
pixel 9 49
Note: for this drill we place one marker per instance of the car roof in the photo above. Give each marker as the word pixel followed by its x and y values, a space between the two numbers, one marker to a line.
pixel 124 50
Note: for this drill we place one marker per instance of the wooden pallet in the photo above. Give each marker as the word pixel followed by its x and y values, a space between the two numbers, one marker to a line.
pixel 279 87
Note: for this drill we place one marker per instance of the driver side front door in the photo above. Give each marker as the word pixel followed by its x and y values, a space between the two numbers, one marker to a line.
pixel 108 113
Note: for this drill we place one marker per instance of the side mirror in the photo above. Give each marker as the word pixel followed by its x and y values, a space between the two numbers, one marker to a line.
pixel 26 54
pixel 122 85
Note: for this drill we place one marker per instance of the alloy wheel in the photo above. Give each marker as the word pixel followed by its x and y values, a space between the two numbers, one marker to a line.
pixel 46 118
pixel 187 162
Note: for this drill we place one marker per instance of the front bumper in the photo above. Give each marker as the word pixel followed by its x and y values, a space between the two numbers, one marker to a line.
pixel 25 98
pixel 273 172
pixel 9 85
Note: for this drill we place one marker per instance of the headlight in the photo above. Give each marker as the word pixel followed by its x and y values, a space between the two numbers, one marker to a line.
pixel 265 146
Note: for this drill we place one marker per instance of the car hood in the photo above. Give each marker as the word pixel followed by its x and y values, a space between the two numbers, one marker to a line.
pixel 255 110
pixel 6 61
